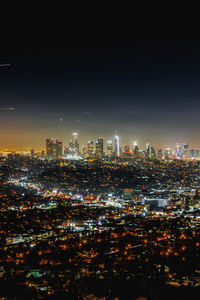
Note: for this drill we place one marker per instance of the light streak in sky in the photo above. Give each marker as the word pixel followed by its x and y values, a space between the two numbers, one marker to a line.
pixel 5 65
pixel 7 108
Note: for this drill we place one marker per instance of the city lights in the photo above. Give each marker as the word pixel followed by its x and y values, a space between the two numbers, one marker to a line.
pixel 88 212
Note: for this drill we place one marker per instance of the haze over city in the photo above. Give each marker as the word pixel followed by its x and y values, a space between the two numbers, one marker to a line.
pixel 146 88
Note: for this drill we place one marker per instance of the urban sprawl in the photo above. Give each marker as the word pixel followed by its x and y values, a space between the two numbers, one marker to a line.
pixel 100 223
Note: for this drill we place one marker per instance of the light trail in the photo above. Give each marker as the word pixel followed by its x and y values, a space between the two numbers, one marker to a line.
pixel 5 65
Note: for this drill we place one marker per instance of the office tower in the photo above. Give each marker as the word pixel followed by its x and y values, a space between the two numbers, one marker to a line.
pixel 85 151
pixel 53 148
pixel 66 150
pixel 185 150
pixel 117 147
pixel 109 147
pixel 148 151
pixel 194 153
pixel 128 194
pixel 90 148
pixel 48 147
pixel 135 149
pixel 126 149
pixel 74 143
pixel 160 153
pixel 178 150
pixel 153 153
pixel 99 147
pixel 70 145
pixel 186 202
pixel 168 152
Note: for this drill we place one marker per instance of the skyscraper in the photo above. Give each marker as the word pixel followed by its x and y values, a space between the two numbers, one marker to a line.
pixel 99 147
pixel 148 151
pixel 194 153
pixel 90 148
pixel 117 148
pixel 153 152
pixel 126 149
pixel 185 150
pixel 109 147
pixel 178 150
pixel 160 154
pixel 53 148
pixel 85 151
pixel 135 149
pixel 74 143
pixel 167 153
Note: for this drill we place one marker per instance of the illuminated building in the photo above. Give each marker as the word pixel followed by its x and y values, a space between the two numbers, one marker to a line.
pixel 135 149
pixel 185 150
pixel 156 202
pixel 99 147
pixel 109 147
pixel 117 148
pixel 178 150
pixel 160 155
pixel 85 151
pixel 126 149
pixel 167 153
pixel 195 200
pixel 153 153
pixel 53 148
pixel 74 144
pixel 194 153
pixel 148 151
pixel 66 150
pixel 186 202
pixel 90 148
pixel 128 194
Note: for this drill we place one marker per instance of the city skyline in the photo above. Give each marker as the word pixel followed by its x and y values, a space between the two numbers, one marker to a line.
pixel 100 163
pixel 83 140
pixel 104 149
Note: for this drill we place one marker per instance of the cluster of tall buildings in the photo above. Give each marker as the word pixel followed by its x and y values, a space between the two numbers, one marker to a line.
pixel 54 148
pixel 112 147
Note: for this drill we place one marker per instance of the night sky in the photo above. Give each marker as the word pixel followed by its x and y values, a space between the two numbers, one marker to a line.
pixel 148 88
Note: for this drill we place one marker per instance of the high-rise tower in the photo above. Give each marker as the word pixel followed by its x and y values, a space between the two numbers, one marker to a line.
pixel 99 147
pixel 117 148
pixel 90 148
pixel 135 149
pixel 109 147
pixel 148 151
pixel 74 143
pixel 53 148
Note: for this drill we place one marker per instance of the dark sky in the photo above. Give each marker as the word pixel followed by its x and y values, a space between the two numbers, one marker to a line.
pixel 146 87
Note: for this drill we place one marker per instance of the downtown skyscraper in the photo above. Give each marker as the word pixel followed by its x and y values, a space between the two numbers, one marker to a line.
pixel 99 147
pixel 117 147
pixel 53 148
